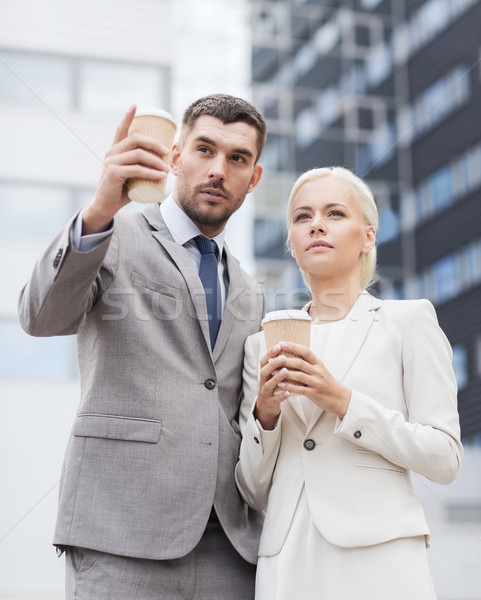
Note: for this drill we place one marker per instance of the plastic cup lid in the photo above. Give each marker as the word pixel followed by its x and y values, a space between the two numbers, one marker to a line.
pixel 154 112
pixel 279 315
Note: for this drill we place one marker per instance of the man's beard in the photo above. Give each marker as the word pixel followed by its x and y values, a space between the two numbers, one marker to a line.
pixel 203 214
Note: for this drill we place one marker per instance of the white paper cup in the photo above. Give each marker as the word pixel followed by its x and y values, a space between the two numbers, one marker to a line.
pixel 158 124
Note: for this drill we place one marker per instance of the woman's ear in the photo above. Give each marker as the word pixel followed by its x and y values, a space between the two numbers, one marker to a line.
pixel 370 239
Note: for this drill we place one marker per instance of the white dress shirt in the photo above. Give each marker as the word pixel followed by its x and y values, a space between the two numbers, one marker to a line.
pixel 182 229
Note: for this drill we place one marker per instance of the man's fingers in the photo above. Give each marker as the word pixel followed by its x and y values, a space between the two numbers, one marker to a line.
pixel 139 157
pixel 140 142
pixel 123 128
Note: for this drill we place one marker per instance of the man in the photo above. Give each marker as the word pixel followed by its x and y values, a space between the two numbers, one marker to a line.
pixel 148 506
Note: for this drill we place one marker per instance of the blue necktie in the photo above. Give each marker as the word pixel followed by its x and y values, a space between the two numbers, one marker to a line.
pixel 210 280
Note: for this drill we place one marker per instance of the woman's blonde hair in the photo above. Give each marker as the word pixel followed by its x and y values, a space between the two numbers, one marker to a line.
pixel 365 199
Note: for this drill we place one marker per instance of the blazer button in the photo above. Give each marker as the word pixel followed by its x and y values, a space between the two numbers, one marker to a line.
pixel 309 444
pixel 357 434
pixel 209 384
pixel 256 440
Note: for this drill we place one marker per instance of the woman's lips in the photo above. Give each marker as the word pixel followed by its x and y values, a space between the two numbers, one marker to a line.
pixel 318 246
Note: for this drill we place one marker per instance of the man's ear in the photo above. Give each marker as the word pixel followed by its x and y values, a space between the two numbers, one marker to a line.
pixel 175 159
pixel 256 177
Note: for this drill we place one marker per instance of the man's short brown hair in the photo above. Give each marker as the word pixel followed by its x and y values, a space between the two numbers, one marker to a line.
pixel 228 109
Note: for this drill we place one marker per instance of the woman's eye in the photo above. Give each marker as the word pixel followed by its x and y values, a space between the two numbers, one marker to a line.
pixel 336 213
pixel 302 217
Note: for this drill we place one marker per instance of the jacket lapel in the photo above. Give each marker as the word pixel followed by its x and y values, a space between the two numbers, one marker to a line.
pixel 342 352
pixel 184 263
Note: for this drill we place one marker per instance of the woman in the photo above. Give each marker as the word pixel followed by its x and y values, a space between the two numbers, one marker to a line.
pixel 373 399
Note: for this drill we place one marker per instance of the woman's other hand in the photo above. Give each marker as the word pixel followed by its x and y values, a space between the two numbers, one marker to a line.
pixel 269 398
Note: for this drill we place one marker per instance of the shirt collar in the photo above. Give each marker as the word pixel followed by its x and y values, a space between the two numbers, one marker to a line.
pixel 181 226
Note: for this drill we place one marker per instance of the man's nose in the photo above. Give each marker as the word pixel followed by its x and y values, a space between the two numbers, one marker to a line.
pixel 217 168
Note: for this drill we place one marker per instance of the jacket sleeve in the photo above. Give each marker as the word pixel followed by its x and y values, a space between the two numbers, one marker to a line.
pixel 259 448
pixel 428 442
pixel 64 285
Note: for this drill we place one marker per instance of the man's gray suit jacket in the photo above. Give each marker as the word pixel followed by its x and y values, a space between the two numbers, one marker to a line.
pixel 156 439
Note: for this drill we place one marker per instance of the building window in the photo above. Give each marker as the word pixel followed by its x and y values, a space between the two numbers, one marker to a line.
pixel 451 275
pixel 446 278
pixel 378 150
pixel 266 24
pixel 441 188
pixel 383 144
pixel 370 4
pixel 33 80
pixel 429 21
pixel 106 86
pixel 327 37
pixel 71 83
pixel 379 64
pixel 448 184
pixel 362 159
pixel 438 101
pixel 270 237
pixel 304 61
pixel 425 24
pixel 329 105
pixel 307 128
pixel 472 263
pixel 388 225
pixel 460 365
pixel 272 154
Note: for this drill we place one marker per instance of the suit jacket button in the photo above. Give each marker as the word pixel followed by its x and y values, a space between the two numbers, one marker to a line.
pixel 209 384
pixel 309 444
pixel 256 440
pixel 357 434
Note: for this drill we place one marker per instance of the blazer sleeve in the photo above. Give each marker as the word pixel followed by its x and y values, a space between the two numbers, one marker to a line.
pixel 428 442
pixel 259 448
pixel 64 285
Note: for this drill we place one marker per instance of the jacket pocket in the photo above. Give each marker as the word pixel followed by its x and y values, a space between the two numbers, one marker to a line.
pixel 366 459
pixel 113 427
pixel 154 286
pixel 157 300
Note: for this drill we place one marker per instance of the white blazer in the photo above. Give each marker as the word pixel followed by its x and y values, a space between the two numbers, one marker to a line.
pixel 402 417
